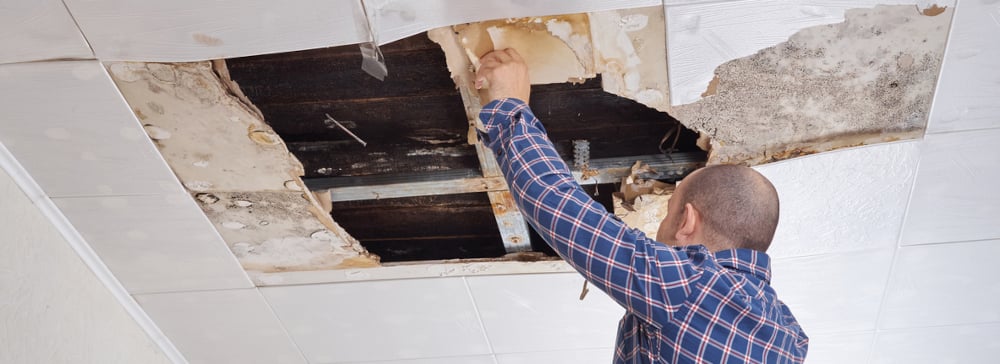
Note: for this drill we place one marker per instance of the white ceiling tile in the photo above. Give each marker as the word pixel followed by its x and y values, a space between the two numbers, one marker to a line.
pixel 194 30
pixel 397 19
pixel 833 293
pixel 381 320
pixel 938 345
pixel 230 326
pixel 33 30
pixel 155 243
pixel 955 197
pixel 481 359
pixel 968 92
pixel 582 356
pixel 840 348
pixel 543 312
pixel 943 284
pixel 843 200
pixel 71 129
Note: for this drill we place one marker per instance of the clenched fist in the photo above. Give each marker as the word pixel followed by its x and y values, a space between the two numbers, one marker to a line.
pixel 503 74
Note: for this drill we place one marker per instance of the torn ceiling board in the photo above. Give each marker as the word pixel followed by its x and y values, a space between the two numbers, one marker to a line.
pixel 629 46
pixel 238 170
pixel 556 48
pixel 39 30
pixel 189 114
pixel 701 37
pixel 193 30
pixel 625 46
pixel 396 19
pixel 867 80
pixel 277 232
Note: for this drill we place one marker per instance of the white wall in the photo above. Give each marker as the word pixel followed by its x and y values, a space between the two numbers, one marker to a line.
pixel 53 309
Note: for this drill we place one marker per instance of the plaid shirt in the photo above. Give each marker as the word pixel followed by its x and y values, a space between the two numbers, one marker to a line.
pixel 683 305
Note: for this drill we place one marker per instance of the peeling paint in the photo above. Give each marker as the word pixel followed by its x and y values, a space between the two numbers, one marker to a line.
pixel 556 48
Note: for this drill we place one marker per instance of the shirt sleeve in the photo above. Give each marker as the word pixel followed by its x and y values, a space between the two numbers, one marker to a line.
pixel 648 278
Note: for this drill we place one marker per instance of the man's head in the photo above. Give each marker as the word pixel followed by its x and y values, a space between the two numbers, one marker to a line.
pixel 722 207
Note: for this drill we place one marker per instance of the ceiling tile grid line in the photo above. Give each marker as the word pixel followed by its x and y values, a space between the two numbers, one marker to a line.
pixel 40 30
pixel 954 198
pixel 969 84
pixel 34 192
pixel 222 326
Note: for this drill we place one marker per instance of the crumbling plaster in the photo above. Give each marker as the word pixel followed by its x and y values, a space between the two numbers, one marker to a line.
pixel 869 79
pixel 239 171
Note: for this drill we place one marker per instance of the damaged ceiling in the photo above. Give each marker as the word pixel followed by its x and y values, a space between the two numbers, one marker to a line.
pixel 251 138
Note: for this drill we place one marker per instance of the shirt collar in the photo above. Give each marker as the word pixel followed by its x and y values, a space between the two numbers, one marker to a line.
pixel 747 261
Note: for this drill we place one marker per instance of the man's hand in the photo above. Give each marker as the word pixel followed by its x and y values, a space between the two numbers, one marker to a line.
pixel 503 74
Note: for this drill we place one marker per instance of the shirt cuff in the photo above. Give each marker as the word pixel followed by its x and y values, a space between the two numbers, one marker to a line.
pixel 498 116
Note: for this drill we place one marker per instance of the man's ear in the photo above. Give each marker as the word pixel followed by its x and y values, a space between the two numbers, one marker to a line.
pixel 690 224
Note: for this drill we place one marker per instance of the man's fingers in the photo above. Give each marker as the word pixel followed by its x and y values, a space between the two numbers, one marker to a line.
pixel 512 53
pixel 502 56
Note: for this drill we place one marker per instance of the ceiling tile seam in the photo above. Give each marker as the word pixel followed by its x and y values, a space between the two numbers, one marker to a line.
pixel 910 328
pixel 898 246
pixel 78 29
pixel 45 205
pixel 937 243
pixel 479 316
pixel 288 334
pixel 956 131
pixel 944 64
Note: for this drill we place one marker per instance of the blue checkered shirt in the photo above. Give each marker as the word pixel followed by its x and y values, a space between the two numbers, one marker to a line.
pixel 683 304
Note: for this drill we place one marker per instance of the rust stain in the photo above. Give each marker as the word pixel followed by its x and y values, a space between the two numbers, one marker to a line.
pixel 934 10
pixel 712 87
pixel 206 39
pixel 358 262
pixel 261 137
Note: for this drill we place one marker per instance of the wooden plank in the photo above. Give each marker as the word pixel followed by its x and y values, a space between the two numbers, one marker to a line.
pixel 348 158
pixel 417 217
pixel 395 119
pixel 339 77
pixel 436 248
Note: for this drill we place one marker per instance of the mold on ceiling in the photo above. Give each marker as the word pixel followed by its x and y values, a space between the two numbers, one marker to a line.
pixel 866 80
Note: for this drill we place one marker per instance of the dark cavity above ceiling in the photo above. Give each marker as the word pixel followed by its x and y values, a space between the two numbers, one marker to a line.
pixel 415 127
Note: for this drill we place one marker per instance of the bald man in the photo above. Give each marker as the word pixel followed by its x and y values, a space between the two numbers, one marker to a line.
pixel 701 292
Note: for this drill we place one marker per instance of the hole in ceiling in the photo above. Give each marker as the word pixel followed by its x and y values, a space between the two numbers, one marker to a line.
pixel 416 132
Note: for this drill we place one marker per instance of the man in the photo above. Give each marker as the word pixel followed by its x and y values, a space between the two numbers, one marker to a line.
pixel 704 296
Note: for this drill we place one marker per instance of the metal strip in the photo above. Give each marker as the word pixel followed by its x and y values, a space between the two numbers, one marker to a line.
pixel 605 170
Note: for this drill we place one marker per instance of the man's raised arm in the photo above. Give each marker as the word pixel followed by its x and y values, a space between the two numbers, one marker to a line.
pixel 647 278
